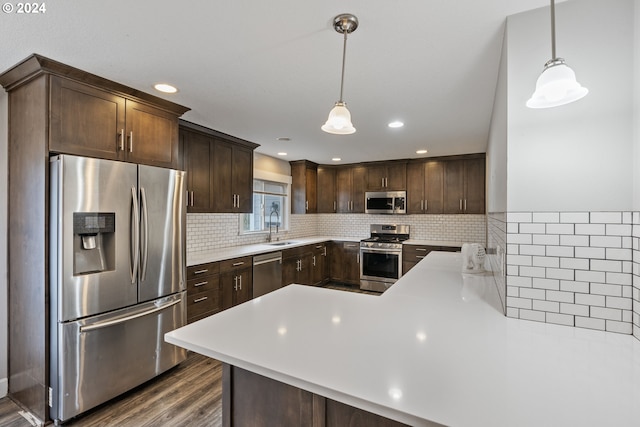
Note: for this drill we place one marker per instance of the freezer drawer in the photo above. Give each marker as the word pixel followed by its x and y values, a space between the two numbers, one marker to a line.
pixel 100 357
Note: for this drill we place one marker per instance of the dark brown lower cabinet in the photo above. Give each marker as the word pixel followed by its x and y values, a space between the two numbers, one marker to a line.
pixel 250 399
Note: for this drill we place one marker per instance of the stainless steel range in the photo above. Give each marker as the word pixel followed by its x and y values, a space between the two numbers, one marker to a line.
pixel 381 256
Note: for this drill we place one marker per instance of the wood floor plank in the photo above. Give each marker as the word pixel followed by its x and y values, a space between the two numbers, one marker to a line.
pixel 187 395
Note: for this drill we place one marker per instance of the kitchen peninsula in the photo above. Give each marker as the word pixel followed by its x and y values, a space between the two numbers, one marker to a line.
pixel 434 349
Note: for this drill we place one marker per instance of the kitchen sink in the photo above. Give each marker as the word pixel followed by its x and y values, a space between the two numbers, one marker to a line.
pixel 282 243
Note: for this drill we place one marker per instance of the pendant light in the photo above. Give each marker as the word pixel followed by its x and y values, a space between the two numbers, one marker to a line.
pixel 557 83
pixel 339 121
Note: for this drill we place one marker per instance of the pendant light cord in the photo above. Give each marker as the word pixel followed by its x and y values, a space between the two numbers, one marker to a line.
pixel 553 30
pixel 344 56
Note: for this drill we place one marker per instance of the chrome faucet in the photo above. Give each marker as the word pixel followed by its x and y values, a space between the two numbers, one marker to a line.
pixel 273 211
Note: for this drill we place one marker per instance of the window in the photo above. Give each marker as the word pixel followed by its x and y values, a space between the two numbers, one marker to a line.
pixel 270 207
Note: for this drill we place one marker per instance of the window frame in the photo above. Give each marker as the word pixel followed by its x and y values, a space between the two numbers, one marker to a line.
pixel 261 175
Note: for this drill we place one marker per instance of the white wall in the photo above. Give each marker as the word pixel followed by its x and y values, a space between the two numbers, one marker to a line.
pixel 3 242
pixel 577 157
pixel 636 109
pixel 497 144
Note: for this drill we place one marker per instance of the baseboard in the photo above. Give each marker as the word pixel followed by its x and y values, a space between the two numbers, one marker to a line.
pixel 4 387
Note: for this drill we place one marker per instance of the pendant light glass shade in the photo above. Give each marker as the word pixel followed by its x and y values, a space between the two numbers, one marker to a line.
pixel 556 86
pixel 339 121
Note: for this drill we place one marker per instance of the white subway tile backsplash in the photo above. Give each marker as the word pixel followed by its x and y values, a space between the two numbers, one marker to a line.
pixel 573 286
pixel 605 217
pixel 561 251
pixel 574 217
pixel 560 229
pixel 548 306
pixel 574 309
pixel 536 316
pixel 546 217
pixel 606 313
pixel 577 268
pixel 593 253
pixel 518 302
pixel 560 319
pixel 590 323
pixel 560 296
pixel 574 263
pixel 570 240
pixel 591 300
pixel 532 228
pixel 551 284
pixel 591 229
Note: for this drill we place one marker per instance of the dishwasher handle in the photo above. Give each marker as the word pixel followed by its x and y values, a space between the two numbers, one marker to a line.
pixel 266 259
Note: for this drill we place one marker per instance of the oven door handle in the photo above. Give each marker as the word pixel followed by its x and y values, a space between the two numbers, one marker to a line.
pixel 378 250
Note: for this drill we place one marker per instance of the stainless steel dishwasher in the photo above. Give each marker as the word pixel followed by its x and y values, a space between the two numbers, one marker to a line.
pixel 267 273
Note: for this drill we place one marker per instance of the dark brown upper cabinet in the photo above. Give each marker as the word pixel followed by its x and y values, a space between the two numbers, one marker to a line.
pixel 326 193
pixel 96 122
pixel 464 182
pixel 303 187
pixel 350 188
pixel 387 176
pixel 425 187
pixel 219 170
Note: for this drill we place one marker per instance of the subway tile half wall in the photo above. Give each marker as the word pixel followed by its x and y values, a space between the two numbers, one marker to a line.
pixel 574 268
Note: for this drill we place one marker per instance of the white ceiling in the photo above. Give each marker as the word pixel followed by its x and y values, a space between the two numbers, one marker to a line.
pixel 260 70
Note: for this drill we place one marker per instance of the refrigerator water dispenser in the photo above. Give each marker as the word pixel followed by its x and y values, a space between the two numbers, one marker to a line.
pixel 93 246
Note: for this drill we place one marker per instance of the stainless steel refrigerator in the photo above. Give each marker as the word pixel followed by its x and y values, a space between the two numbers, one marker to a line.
pixel 117 278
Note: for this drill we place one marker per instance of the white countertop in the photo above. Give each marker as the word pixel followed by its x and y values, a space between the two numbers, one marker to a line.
pixel 434 347
pixel 203 257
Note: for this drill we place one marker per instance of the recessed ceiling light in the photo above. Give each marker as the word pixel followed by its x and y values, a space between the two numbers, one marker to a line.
pixel 282 153
pixel 396 124
pixel 336 159
pixel 421 152
pixel 166 88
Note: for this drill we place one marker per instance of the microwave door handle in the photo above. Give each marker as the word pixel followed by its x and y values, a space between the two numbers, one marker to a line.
pixel 134 254
pixel 145 234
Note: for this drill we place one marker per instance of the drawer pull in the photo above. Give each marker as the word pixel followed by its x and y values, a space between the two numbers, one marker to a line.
pixel 420 256
pixel 199 299
pixel 200 271
pixel 200 284
pixel 421 249
pixel 235 264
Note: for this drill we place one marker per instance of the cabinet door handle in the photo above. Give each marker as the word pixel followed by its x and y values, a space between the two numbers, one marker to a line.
pixel 193 198
pixel 121 139
pixel 382 184
pixel 325 251
pixel 460 204
pixel 235 264
pixel 200 284
pixel 386 182
pixel 421 205
pixel 240 277
pixel 306 205
pixel 314 260
pixel 200 299
pixel 358 259
pixel 465 205
pixel 131 142
pixel 235 283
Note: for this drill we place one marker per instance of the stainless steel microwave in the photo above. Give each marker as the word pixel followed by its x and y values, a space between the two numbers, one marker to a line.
pixel 385 202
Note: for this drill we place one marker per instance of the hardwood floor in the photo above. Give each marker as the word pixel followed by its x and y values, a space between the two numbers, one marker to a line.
pixel 188 395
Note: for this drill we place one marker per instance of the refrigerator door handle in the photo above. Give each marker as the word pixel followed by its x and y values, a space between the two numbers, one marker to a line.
pixel 145 234
pixel 135 236
pixel 107 323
